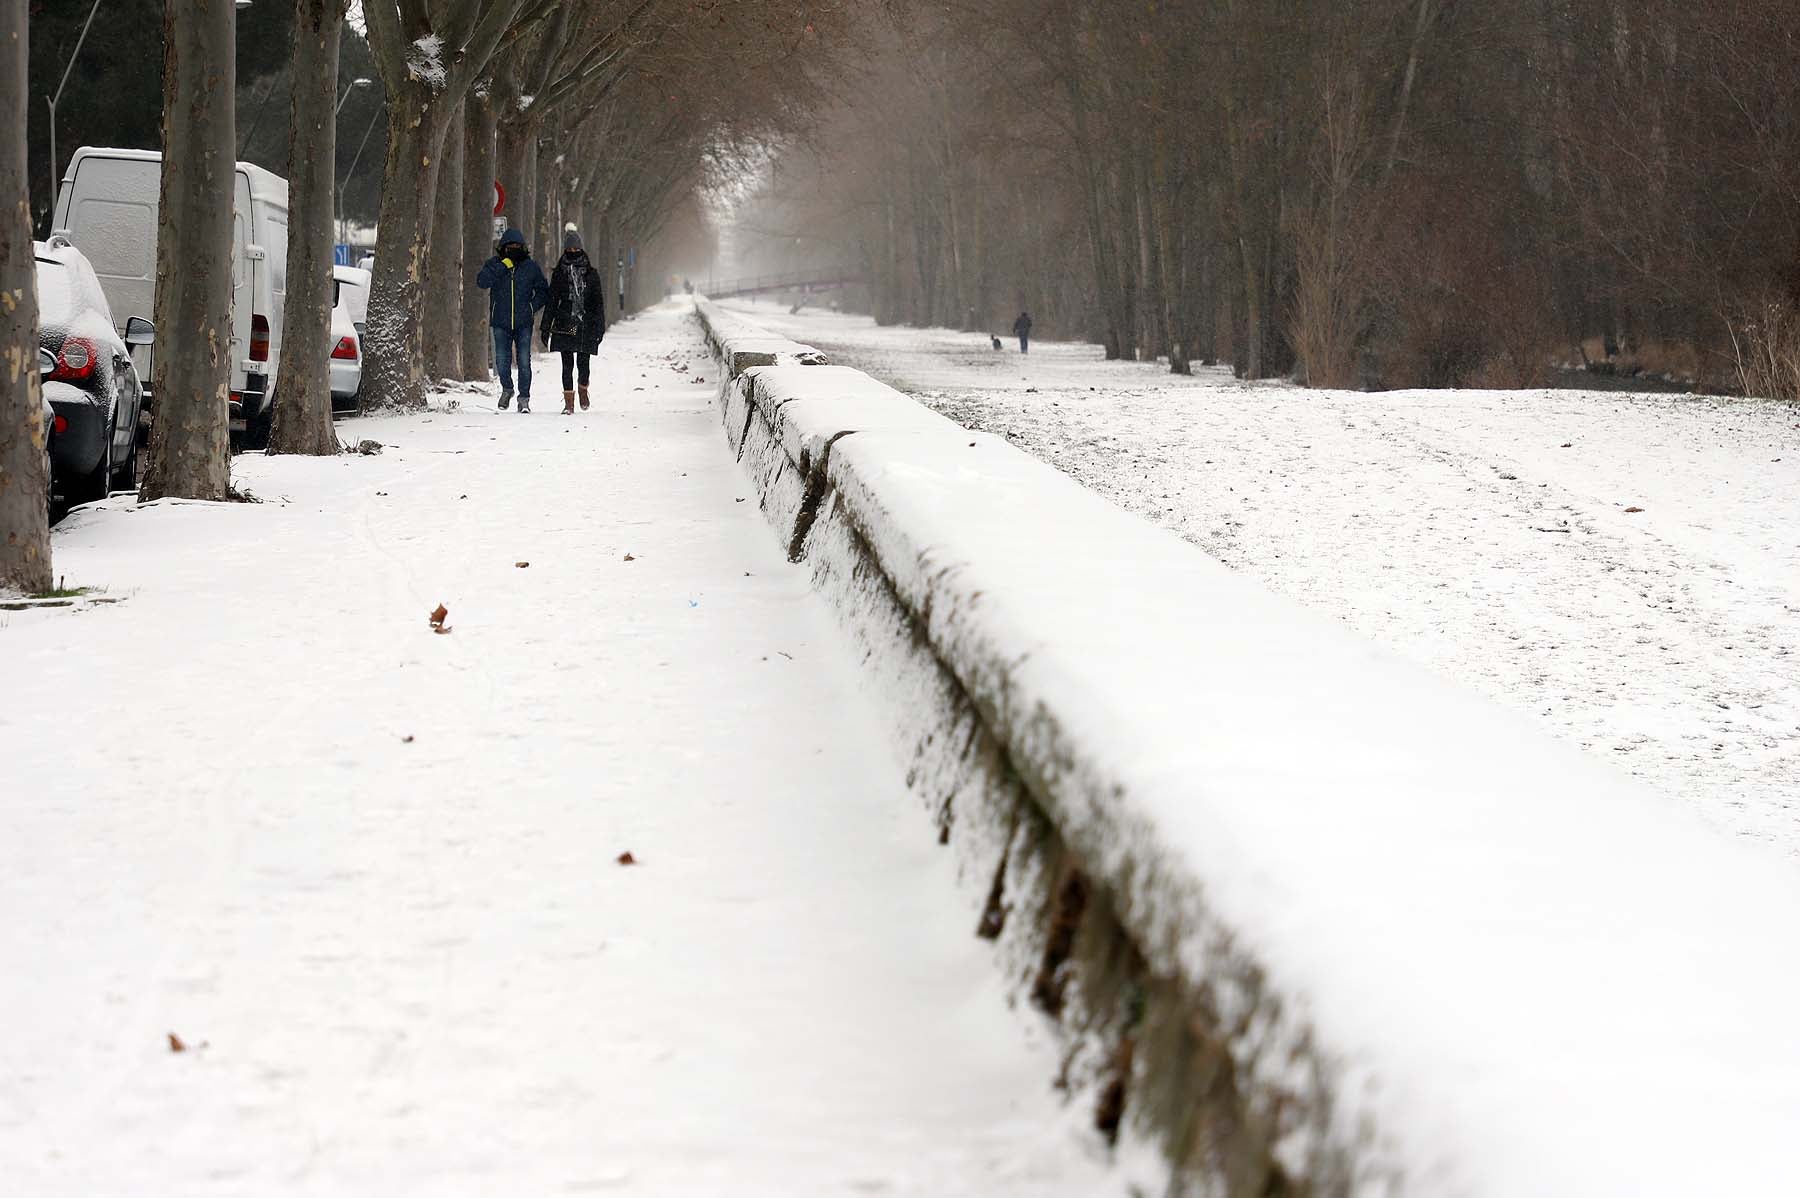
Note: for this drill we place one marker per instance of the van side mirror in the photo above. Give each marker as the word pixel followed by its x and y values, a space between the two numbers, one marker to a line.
pixel 46 361
pixel 139 331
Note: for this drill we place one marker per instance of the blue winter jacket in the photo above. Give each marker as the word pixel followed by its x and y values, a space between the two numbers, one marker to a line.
pixel 515 292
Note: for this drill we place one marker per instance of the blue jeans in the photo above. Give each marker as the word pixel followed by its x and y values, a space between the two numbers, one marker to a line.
pixel 511 344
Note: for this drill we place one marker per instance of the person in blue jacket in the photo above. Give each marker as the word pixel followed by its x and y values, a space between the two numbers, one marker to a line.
pixel 516 289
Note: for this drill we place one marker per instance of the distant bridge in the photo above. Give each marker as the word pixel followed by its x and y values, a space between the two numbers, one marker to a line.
pixel 827 279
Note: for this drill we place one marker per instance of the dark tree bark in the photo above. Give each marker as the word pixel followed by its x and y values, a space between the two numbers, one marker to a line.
pixel 477 230
pixel 516 167
pixel 191 438
pixel 444 261
pixel 24 529
pixel 302 420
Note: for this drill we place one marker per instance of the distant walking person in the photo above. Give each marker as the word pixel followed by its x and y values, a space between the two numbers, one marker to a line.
pixel 516 289
pixel 575 320
pixel 1022 330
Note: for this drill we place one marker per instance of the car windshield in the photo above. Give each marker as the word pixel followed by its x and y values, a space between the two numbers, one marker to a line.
pixel 56 291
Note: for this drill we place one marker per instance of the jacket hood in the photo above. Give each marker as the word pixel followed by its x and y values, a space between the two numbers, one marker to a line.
pixel 513 237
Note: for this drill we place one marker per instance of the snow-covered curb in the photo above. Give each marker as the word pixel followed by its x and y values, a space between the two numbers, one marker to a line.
pixel 1319 920
pixel 740 345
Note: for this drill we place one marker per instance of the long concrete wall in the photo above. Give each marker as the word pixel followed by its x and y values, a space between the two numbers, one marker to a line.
pixel 1306 919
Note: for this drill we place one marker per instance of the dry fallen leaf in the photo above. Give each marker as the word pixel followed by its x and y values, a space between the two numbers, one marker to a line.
pixel 175 1044
pixel 522 565
pixel 407 739
pixel 627 859
pixel 1631 511
pixel 630 558
pixel 437 617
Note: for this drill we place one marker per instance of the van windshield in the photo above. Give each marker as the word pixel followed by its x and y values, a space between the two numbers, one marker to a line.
pixel 56 292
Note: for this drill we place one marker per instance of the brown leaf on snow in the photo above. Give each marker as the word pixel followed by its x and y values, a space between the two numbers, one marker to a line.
pixel 1632 511
pixel 630 558
pixel 175 1044
pixel 522 565
pixel 437 617
pixel 627 859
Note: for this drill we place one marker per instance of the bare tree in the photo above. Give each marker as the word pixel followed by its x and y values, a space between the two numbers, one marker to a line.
pixel 302 418
pixel 428 57
pixel 191 438
pixel 444 261
pixel 24 529
pixel 477 226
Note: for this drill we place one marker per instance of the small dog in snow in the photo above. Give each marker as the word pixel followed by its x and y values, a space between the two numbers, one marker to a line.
pixel 995 340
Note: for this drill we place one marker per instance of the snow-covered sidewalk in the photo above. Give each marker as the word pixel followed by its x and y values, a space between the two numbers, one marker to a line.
pixel 368 873
pixel 1624 568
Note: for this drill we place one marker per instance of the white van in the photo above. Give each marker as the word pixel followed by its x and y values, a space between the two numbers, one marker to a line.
pixel 107 209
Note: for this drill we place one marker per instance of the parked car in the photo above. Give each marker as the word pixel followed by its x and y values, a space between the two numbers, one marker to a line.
pixel 349 316
pixel 107 208
pixel 92 387
pixel 46 367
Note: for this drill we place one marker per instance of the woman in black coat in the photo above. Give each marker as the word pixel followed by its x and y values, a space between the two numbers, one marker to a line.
pixel 575 317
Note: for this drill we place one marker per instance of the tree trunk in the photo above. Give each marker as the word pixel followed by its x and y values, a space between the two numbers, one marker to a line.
pixel 24 502
pixel 478 230
pixel 444 261
pixel 544 224
pixel 525 211
pixel 394 359
pixel 1252 361
pixel 191 438
pixel 302 419
pixel 515 148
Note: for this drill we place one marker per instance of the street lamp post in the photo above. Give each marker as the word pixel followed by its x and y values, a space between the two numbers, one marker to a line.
pixel 353 85
pixel 56 99
pixel 345 184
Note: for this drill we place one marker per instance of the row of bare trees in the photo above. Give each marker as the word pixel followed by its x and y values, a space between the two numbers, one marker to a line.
pixel 1391 192
pixel 613 116
pixel 616 115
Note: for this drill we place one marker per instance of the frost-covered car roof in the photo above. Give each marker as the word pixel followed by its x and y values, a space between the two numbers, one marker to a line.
pixel 71 304
pixel 66 284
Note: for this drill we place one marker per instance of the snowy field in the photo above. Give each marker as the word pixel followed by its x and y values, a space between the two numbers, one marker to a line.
pixel 367 874
pixel 1489 535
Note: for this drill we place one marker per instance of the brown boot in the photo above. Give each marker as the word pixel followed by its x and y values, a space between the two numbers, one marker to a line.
pixel 568 403
pixel 584 397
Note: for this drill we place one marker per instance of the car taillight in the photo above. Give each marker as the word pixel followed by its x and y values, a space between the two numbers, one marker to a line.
pixel 60 425
pixel 259 339
pixel 76 359
pixel 345 349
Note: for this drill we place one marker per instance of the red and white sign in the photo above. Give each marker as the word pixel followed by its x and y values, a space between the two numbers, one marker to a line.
pixel 499 199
